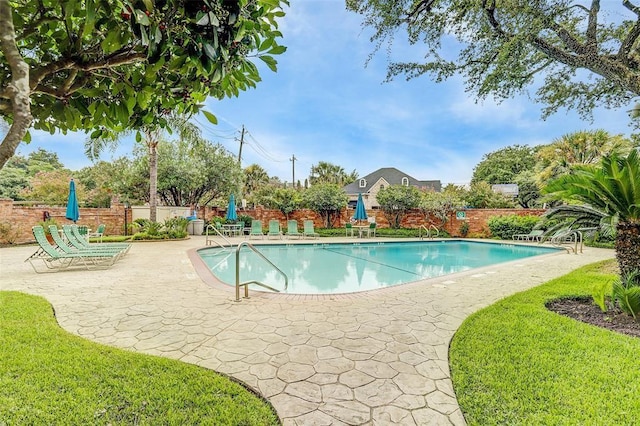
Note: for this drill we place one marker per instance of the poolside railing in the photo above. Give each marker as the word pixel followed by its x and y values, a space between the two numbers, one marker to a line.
pixel 572 237
pixel 246 283
pixel 210 241
pixel 428 232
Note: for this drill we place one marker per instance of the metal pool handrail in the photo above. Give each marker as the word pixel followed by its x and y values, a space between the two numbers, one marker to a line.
pixel 246 284
pixel 571 236
pixel 428 231
pixel 208 241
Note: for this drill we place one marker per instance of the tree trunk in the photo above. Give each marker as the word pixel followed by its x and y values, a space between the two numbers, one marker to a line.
pixel 152 142
pixel 628 247
pixel 18 90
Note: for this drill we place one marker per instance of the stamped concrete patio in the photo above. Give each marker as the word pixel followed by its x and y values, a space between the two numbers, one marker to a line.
pixel 371 358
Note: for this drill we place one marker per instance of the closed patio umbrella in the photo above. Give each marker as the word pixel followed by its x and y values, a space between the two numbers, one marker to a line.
pixel 231 209
pixel 361 213
pixel 73 212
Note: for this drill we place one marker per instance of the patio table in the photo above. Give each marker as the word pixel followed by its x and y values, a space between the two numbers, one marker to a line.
pixel 361 229
pixel 232 229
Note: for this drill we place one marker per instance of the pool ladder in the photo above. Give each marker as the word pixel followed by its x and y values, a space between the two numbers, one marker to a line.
pixel 571 237
pixel 428 232
pixel 246 283
pixel 217 231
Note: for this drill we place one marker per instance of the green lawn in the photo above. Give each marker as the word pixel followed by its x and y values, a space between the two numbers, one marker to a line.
pixel 48 376
pixel 515 362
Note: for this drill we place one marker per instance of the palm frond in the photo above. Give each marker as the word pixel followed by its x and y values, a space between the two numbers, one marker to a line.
pixel 580 217
pixel 613 187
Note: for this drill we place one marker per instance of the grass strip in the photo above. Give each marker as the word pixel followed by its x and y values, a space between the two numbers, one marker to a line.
pixel 516 362
pixel 49 376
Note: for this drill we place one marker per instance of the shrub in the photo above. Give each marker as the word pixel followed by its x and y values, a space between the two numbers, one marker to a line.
pixel 246 219
pixel 9 232
pixel 626 293
pixel 623 294
pixel 464 228
pixel 505 227
pixel 176 227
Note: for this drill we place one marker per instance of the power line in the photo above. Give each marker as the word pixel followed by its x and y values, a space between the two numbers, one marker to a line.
pixel 230 135
pixel 246 138
pixel 260 150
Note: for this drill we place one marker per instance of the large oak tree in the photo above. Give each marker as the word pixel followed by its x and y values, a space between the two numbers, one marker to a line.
pixel 99 65
pixel 579 54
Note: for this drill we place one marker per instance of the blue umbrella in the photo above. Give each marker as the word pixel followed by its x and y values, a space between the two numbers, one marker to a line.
pixel 231 210
pixel 73 212
pixel 361 213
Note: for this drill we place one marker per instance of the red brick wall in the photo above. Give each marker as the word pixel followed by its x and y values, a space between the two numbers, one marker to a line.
pixel 476 218
pixel 265 215
pixel 22 218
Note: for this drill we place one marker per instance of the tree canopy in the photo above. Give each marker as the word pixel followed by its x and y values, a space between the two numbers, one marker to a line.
pixel 396 200
pixel 441 204
pixel 503 165
pixel 202 174
pixel 52 188
pixel 578 54
pixel 19 170
pixel 327 199
pixel 287 200
pixel 94 65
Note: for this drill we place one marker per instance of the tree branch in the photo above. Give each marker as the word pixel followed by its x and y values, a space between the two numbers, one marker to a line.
pixel 632 7
pixel 566 37
pixel 592 26
pixel 490 11
pixel 122 57
pixel 419 8
pixel 632 36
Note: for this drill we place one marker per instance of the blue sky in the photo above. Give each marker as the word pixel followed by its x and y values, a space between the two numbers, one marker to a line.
pixel 326 104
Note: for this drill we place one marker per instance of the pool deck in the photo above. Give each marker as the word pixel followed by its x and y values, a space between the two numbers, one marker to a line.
pixel 379 357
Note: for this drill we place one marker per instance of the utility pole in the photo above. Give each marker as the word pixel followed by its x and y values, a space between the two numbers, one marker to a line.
pixel 241 142
pixel 293 169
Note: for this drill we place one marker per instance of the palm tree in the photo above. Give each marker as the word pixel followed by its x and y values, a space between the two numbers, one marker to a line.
pixel 578 148
pixel 255 177
pixel 187 131
pixel 613 188
pixel 326 172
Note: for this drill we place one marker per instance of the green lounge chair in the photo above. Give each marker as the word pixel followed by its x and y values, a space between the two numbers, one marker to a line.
pixel 274 229
pixel 309 230
pixel 99 233
pixel 256 229
pixel 63 246
pixel 78 241
pixel 535 235
pixel 292 229
pixel 56 260
pixel 348 229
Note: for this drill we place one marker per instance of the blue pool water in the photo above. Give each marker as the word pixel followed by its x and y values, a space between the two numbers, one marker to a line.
pixel 348 268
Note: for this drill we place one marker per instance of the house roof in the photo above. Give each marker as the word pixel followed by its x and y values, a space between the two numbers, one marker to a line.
pixel 393 176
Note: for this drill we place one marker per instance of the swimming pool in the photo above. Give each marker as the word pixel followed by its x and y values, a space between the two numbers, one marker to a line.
pixel 348 268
